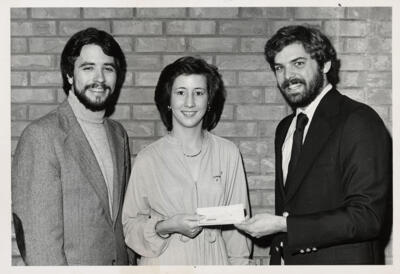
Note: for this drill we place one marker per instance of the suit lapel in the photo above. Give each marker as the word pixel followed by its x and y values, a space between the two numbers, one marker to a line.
pixel 116 143
pixel 321 127
pixel 77 144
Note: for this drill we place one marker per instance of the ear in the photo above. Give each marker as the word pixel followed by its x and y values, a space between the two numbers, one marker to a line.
pixel 70 79
pixel 327 67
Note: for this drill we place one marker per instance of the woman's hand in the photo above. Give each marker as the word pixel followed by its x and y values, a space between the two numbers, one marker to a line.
pixel 185 224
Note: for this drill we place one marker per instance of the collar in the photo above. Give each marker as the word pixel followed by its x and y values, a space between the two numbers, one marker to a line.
pixel 82 113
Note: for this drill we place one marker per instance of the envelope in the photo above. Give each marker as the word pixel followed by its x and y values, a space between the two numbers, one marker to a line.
pixel 221 215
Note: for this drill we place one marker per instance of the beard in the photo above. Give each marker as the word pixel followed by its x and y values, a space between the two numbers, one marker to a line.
pixel 310 92
pixel 99 103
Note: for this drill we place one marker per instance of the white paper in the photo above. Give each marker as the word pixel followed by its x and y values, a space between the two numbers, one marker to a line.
pixel 221 215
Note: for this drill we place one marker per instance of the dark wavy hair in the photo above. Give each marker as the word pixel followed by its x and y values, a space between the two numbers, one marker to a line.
pixel 314 42
pixel 191 65
pixel 92 36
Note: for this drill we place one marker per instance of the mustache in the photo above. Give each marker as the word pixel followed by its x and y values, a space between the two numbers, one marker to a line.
pixel 292 81
pixel 97 85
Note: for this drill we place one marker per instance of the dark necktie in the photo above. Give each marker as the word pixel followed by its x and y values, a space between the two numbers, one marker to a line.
pixel 301 123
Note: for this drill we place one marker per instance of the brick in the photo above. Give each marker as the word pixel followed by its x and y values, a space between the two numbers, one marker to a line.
pixel 160 129
pixel 143 62
pixel 268 198
pixel 380 62
pixel 380 13
pixel 47 45
pixel 354 62
pixel 261 181
pixel 380 45
pixel 139 144
pixel 138 129
pixel 227 113
pixel 169 59
pixel 381 29
pixel 213 12
pixel 37 111
pixel 33 96
pixel 33 62
pixel 71 27
pixel 19 45
pixel 319 13
pixel 244 95
pixel 258 147
pixel 122 112
pixel 137 95
pixel 55 13
pixel 270 12
pixel 267 165
pixel 379 96
pixel 355 94
pixel 267 128
pixel 338 43
pixel 19 112
pixel 241 62
pixel 273 26
pixel 236 129
pixel 18 13
pixel 145 112
pixel 14 144
pixel 239 28
pixel 357 13
pixel 355 45
pixel 213 44
pixel 37 28
pixel 346 28
pixel 125 43
pixel 61 96
pixel 160 12
pixel 351 79
pixel 19 78
pixel 102 13
pixel 255 198
pixel 17 127
pixel 383 112
pixel 128 79
pixel 229 78
pixel 258 210
pixel 182 27
pixel 135 27
pixel 253 44
pixel 260 112
pixel 256 78
pixel 46 78
pixel 274 96
pixel 379 79
pixel 160 44
pixel 146 78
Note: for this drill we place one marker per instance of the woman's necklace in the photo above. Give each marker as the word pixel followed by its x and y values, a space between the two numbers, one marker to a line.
pixel 194 154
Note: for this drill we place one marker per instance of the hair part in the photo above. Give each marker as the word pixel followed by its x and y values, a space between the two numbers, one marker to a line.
pixel 314 42
pixel 189 65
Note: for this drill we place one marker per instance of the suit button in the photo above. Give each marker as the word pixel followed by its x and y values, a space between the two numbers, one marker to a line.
pixel 308 250
pixel 314 249
pixel 302 251
pixel 276 249
pixel 281 244
pixel 113 262
pixel 285 214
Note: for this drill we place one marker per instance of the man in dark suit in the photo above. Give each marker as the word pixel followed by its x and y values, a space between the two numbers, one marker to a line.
pixel 71 167
pixel 333 161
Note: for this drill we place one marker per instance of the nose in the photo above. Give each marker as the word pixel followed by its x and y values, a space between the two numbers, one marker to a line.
pixel 288 73
pixel 189 100
pixel 99 77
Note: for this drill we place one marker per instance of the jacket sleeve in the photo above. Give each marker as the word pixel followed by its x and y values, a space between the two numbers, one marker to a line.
pixel 365 168
pixel 238 245
pixel 138 219
pixel 37 199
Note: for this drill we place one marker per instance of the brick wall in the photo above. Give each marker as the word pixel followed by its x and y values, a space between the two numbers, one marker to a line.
pixel 231 38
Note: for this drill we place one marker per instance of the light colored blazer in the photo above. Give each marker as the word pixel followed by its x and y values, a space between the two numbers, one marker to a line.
pixel 59 196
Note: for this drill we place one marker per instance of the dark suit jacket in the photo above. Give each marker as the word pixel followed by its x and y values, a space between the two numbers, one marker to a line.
pixel 59 196
pixel 337 195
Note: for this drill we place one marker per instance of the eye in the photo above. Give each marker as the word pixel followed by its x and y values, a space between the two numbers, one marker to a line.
pixel 179 92
pixel 277 68
pixel 199 92
pixel 87 68
pixel 109 69
pixel 299 64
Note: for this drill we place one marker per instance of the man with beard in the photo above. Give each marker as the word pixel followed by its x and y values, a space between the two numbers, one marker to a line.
pixel 333 162
pixel 71 166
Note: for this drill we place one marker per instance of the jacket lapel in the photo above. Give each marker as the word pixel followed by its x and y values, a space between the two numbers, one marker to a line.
pixel 77 144
pixel 321 127
pixel 116 142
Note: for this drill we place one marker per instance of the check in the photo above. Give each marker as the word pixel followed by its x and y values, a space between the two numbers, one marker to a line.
pixel 221 215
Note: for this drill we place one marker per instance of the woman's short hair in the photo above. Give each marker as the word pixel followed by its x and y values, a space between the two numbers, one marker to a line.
pixel 186 66
pixel 90 36
pixel 314 42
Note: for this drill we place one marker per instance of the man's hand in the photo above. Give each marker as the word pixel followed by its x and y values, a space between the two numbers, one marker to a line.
pixel 263 224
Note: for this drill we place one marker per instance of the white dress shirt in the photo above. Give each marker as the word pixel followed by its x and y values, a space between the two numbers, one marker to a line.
pixel 287 144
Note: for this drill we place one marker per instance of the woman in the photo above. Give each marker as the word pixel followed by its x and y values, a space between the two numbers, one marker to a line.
pixel 184 170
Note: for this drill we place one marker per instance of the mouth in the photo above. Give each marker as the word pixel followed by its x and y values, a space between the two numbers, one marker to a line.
pixel 189 113
pixel 293 85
